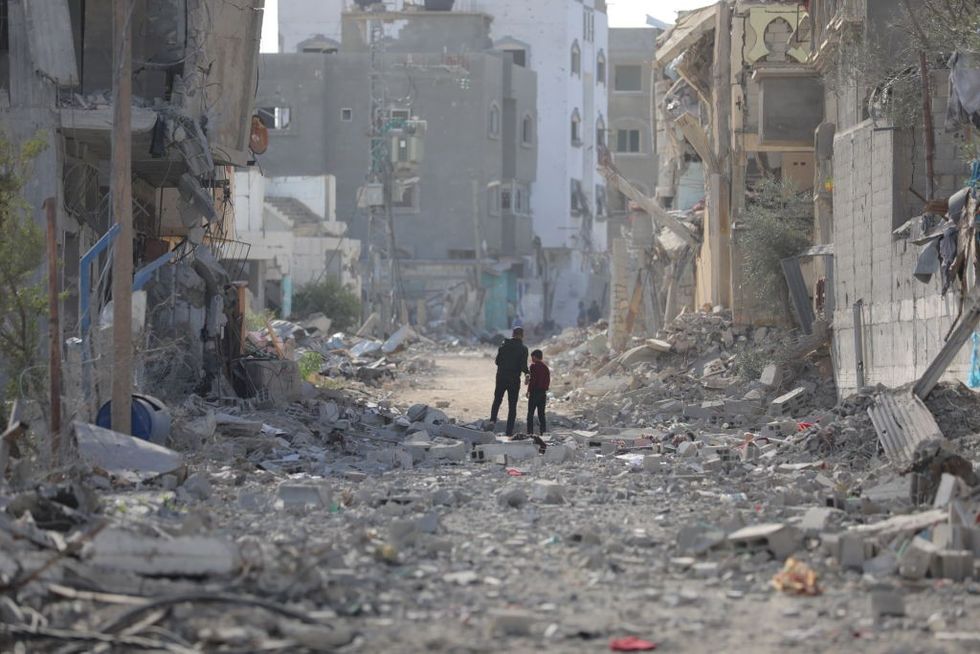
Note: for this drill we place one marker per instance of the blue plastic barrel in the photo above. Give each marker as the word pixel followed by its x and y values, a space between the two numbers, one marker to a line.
pixel 150 418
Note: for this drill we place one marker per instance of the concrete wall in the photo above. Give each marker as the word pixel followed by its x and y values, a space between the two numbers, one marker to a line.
pixel 904 320
pixel 632 46
pixel 318 192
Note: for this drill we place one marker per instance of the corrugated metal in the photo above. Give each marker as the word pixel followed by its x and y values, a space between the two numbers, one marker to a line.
pixel 902 421
pixel 50 37
pixel 798 292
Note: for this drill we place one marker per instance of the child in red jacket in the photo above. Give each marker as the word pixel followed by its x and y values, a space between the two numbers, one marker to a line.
pixel 538 384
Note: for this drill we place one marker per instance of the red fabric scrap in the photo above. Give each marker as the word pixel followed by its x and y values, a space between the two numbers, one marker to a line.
pixel 631 644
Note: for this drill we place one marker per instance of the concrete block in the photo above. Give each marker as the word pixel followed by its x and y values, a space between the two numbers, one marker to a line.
pixel 951 537
pixel 513 451
pixel 687 449
pixel 887 602
pixel 949 489
pixel 953 564
pixel 303 496
pixel 815 519
pixel 190 556
pixel 445 452
pixel 772 375
pixel 851 551
pixel 467 435
pixel 917 558
pixel 782 540
pixel 790 404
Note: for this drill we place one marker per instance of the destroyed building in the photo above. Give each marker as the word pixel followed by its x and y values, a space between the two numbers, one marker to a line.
pixel 194 66
pixel 564 43
pixel 460 127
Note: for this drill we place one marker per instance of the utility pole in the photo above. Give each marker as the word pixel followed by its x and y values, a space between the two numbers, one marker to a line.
pixel 54 330
pixel 122 214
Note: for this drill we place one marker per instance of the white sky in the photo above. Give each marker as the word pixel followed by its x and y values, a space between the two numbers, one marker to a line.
pixel 622 13
pixel 633 13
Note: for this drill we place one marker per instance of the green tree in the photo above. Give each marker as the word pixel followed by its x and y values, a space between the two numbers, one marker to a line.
pixel 777 223
pixel 23 296
pixel 330 298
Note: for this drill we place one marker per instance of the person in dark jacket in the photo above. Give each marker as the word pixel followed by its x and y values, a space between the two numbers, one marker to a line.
pixel 511 364
pixel 537 391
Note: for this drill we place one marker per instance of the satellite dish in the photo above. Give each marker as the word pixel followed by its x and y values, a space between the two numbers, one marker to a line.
pixel 258 142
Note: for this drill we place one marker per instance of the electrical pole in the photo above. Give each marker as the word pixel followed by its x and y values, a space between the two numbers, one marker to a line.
pixel 54 330
pixel 122 214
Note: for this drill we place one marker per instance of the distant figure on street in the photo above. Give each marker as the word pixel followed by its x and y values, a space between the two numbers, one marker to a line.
pixel 594 313
pixel 538 384
pixel 511 363
pixel 583 315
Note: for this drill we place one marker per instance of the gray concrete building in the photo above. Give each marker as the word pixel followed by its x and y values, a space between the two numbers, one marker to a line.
pixel 464 178
pixel 630 133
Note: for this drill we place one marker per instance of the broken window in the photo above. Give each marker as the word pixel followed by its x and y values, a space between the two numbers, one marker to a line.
pixel 519 57
pixel 505 197
pixel 347 115
pixel 628 140
pixel 576 59
pixel 576 128
pixel 629 77
pixel 400 114
pixel 576 196
pixel 527 130
pixel 494 124
pixel 4 36
pixel 600 68
pixel 274 117
pixel 588 25
pixel 406 198
pixel 600 132
pixel 462 254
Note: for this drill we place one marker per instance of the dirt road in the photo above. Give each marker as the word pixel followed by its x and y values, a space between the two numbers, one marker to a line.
pixel 465 380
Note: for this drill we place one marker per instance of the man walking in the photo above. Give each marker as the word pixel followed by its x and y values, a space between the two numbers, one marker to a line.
pixel 511 363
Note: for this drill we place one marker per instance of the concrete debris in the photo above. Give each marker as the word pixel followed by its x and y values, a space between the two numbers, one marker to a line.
pixel 667 483
pixel 122 456
pixel 184 556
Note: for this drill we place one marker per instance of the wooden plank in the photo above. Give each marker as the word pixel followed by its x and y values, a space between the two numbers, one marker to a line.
pixel 51 41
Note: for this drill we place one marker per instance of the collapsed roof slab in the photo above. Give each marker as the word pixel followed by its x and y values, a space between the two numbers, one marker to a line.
pixel 690 27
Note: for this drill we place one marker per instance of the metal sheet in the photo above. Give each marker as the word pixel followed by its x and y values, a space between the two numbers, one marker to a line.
pixel 51 42
pixel 798 292
pixel 902 421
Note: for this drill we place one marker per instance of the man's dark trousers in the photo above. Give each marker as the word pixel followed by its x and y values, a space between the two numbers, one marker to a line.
pixel 536 402
pixel 511 385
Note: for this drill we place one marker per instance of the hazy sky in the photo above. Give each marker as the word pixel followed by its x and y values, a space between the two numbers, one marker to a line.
pixel 631 13
pixel 622 13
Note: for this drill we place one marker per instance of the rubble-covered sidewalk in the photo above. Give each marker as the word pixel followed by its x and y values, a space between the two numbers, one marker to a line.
pixel 681 499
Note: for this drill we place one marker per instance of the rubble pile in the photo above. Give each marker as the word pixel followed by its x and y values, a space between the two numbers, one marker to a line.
pixel 701 368
pixel 343 520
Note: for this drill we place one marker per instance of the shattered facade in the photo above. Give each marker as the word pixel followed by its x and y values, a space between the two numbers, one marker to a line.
pixel 193 81
pixel 462 118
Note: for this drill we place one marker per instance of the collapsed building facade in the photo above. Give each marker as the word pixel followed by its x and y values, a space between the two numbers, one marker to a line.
pixel 194 65
pixel 747 90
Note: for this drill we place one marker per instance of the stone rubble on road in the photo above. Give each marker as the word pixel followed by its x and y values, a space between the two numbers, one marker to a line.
pixel 343 521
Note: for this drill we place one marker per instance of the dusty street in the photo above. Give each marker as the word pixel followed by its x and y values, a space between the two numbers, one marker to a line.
pixel 464 380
